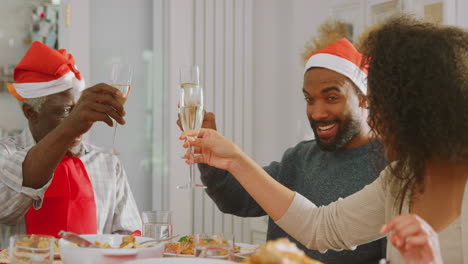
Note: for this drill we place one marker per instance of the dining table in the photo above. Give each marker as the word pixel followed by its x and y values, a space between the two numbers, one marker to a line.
pixel 5 258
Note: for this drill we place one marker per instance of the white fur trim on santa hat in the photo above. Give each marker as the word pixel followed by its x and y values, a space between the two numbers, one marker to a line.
pixel 339 65
pixel 39 89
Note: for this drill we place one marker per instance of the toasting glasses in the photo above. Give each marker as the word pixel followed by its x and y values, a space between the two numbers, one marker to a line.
pixel 121 78
pixel 190 112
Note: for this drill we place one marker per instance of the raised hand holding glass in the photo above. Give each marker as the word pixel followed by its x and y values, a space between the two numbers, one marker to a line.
pixel 191 104
pixel 121 78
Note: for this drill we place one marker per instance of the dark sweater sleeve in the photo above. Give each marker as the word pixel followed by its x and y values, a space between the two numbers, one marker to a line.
pixel 228 194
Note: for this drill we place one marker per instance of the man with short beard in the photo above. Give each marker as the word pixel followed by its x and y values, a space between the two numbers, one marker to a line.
pixel 334 165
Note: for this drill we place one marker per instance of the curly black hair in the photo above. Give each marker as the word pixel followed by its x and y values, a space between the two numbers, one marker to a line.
pixel 418 95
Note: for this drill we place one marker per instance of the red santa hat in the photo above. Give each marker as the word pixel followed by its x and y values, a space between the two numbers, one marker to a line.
pixel 44 71
pixel 343 58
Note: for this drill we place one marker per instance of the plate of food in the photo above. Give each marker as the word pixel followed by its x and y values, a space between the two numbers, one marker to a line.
pixel 110 249
pixel 185 247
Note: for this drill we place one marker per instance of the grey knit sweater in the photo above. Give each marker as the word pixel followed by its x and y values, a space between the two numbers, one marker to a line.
pixel 320 176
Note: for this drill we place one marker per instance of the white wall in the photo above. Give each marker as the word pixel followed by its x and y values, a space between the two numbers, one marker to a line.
pixel 122 30
pixel 180 52
pixel 11 116
pixel 281 30
pixel 461 11
pixel 75 36
pixel 15 22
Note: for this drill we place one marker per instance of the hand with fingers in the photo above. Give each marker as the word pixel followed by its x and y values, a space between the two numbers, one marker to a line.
pixel 414 238
pixel 208 121
pixel 213 149
pixel 97 103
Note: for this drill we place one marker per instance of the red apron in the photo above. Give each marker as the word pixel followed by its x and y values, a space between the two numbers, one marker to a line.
pixel 68 203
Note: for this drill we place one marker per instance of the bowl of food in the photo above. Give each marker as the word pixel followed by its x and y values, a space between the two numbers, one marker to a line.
pixel 110 249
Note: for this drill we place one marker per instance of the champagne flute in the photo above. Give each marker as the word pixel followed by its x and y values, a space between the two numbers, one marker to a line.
pixel 190 112
pixel 120 78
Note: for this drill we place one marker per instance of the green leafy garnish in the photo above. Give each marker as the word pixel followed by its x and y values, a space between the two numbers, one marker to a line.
pixel 184 239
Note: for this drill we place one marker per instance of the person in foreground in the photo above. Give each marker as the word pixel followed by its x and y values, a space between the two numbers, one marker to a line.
pixel 335 164
pixel 49 179
pixel 418 97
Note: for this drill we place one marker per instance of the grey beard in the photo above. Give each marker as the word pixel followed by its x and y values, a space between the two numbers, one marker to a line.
pixel 76 149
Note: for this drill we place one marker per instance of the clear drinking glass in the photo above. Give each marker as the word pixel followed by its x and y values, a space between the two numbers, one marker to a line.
pixel 214 246
pixel 121 78
pixel 191 104
pixel 31 249
pixel 157 224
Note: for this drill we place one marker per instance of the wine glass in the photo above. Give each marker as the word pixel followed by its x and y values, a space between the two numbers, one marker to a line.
pixel 120 78
pixel 32 249
pixel 190 112
pixel 157 224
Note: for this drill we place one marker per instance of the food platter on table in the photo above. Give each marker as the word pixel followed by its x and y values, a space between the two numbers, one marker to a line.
pixel 112 249
pixel 185 248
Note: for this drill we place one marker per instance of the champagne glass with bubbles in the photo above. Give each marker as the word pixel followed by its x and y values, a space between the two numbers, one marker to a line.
pixel 190 112
pixel 121 78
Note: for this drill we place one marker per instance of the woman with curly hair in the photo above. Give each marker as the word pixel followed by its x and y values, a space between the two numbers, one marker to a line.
pixel 418 94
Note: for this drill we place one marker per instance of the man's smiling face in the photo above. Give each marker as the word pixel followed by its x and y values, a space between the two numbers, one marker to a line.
pixel 333 109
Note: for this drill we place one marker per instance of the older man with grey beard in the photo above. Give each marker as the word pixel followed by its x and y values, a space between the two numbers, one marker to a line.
pixel 49 179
